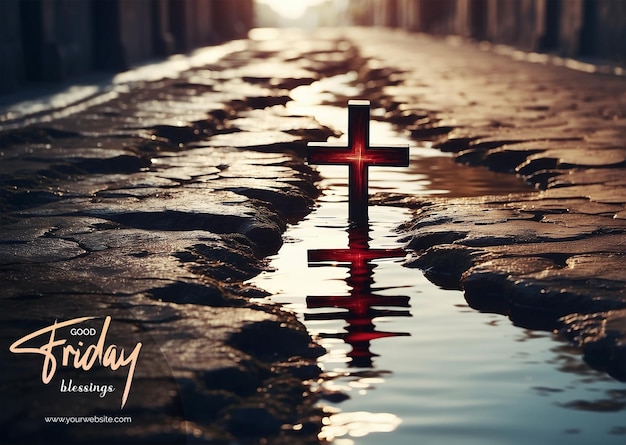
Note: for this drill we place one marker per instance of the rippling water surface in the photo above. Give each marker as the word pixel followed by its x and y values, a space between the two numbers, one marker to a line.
pixel 408 362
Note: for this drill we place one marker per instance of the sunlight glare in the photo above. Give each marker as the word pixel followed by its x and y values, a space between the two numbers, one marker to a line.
pixel 290 9
pixel 358 424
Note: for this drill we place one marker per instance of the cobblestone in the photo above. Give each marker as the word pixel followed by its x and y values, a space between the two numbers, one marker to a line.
pixel 154 206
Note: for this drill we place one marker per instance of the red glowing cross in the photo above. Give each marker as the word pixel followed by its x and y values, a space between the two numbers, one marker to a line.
pixel 358 156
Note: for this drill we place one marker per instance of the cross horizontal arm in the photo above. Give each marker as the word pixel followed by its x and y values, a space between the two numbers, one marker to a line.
pixel 322 153
pixel 353 255
pixel 389 155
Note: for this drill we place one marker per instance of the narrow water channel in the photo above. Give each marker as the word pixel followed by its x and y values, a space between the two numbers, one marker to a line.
pixel 408 362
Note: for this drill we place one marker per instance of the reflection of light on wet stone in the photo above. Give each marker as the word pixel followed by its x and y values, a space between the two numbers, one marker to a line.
pixel 271 120
pixel 357 424
pixel 328 88
pixel 256 139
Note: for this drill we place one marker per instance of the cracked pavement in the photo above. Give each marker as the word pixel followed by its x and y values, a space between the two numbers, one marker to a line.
pixel 154 205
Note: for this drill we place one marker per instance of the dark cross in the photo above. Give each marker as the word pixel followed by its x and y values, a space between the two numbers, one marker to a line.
pixel 358 156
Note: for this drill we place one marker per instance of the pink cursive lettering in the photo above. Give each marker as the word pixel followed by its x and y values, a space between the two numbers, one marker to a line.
pixel 110 357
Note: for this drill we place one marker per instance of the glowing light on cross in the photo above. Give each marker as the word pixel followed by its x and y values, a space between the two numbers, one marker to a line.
pixel 358 156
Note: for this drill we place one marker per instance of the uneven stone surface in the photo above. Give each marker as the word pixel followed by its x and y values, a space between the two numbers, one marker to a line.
pixel 153 208
pixel 155 204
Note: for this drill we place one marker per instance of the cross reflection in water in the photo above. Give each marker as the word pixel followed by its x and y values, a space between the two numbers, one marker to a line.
pixel 363 304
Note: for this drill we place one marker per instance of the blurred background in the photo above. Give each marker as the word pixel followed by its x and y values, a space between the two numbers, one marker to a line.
pixel 48 41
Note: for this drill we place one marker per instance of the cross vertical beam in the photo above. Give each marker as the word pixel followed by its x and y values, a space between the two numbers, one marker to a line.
pixel 358 156
pixel 358 142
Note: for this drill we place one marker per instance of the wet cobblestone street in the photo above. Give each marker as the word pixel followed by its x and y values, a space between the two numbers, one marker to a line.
pixel 154 200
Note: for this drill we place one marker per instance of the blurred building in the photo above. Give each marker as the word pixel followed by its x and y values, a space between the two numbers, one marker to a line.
pixel 569 28
pixel 52 40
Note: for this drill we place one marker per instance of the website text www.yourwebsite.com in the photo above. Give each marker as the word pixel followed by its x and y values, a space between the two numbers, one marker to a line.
pixel 87 419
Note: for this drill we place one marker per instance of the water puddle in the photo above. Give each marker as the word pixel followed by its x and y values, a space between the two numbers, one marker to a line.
pixel 408 362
